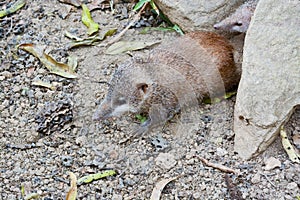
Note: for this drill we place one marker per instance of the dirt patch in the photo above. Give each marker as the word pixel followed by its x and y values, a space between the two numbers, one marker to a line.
pixel 40 161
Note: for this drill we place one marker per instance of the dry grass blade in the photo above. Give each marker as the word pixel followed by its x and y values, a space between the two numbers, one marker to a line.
pixel 72 194
pixel 159 188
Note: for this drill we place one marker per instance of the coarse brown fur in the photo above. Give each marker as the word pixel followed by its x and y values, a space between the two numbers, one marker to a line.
pixel 176 75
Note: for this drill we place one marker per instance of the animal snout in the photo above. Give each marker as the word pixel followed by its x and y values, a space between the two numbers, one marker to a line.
pixel 217 26
pixel 103 112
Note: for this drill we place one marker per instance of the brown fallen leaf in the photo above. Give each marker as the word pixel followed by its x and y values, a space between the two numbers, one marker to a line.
pixel 50 63
pixel 72 194
pixel 156 192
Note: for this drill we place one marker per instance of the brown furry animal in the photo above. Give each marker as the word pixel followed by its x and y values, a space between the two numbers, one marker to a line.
pixel 239 21
pixel 176 75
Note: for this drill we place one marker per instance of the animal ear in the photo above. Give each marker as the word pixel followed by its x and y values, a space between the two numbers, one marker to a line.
pixel 143 88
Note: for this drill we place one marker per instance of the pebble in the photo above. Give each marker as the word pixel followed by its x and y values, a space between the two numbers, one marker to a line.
pixel 292 186
pixel 221 152
pixel 196 195
pixel 256 178
pixel 165 160
pixel 272 163
pixel 6 74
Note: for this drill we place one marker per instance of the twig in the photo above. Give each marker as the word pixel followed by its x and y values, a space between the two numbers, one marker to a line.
pixel 11 25
pixel 135 19
pixel 217 166
pixel 268 180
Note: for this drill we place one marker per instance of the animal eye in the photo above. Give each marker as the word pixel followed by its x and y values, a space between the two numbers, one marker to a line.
pixel 238 23
pixel 121 101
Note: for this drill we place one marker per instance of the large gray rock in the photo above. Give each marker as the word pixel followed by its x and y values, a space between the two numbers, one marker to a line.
pixel 193 15
pixel 270 85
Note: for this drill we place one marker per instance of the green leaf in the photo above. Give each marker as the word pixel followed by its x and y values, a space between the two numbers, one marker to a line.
pixel 229 94
pixel 154 7
pixel 141 118
pixel 124 46
pixel 22 190
pixel 178 29
pixel 16 6
pixel 93 177
pixel 87 20
pixel 140 4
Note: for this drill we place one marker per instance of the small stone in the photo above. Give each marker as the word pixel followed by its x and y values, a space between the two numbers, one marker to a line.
pixel 16 88
pixel 221 152
pixel 256 178
pixel 117 197
pixel 196 195
pixel 6 74
pixel 165 160
pixel 292 186
pixel 272 163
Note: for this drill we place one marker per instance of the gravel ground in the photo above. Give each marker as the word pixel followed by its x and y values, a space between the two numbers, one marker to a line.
pixel 68 140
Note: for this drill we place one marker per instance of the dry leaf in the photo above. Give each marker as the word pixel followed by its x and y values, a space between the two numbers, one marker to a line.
pixel 52 65
pixel 73 189
pixel 159 188
pixel 32 196
pixel 43 84
pixel 288 146
pixel 72 62
pixel 93 40
pixel 123 46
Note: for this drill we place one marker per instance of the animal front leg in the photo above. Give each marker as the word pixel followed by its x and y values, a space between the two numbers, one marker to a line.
pixel 157 116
